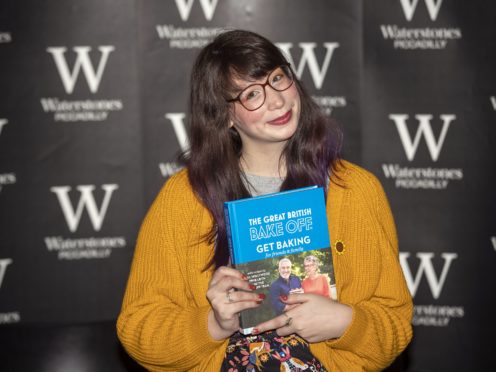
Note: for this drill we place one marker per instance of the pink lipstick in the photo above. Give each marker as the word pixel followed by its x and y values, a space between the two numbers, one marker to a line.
pixel 281 120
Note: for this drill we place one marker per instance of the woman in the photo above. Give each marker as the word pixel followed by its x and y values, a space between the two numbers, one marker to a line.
pixel 253 130
pixel 314 281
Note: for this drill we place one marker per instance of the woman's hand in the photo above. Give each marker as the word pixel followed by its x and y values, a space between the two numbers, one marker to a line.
pixel 313 317
pixel 226 302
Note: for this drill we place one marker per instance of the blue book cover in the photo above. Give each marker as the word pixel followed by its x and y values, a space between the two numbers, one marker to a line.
pixel 281 243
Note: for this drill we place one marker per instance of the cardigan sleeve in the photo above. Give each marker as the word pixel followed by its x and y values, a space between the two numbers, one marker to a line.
pixel 158 326
pixel 377 293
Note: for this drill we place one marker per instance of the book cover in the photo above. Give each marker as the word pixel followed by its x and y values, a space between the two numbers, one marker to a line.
pixel 281 243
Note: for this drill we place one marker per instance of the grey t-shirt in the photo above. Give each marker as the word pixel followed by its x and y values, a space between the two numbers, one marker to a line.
pixel 261 185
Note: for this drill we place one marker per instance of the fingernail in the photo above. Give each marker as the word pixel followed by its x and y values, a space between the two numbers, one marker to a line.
pixel 252 286
pixel 244 277
pixel 283 298
pixel 261 296
pixel 255 331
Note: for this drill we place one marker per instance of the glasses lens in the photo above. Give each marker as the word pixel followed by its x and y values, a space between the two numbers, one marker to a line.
pixel 252 97
pixel 281 78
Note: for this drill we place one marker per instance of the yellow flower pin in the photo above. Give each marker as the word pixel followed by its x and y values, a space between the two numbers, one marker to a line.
pixel 339 247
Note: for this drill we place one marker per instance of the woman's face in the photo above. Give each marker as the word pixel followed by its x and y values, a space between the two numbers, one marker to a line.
pixel 310 268
pixel 274 122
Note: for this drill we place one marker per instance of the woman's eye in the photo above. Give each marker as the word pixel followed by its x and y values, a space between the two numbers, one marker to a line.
pixel 277 78
pixel 252 94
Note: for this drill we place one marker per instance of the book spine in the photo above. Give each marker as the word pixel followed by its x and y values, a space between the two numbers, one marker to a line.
pixel 229 233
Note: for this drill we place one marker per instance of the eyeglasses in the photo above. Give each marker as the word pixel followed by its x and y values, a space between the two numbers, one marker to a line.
pixel 253 96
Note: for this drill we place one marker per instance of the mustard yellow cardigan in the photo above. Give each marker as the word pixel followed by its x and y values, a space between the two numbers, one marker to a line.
pixel 163 322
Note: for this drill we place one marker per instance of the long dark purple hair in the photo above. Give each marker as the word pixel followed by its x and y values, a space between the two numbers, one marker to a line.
pixel 213 161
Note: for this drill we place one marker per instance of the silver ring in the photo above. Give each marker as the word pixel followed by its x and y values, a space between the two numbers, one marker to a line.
pixel 229 298
pixel 289 321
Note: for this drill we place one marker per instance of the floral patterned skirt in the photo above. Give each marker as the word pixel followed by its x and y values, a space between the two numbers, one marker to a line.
pixel 269 352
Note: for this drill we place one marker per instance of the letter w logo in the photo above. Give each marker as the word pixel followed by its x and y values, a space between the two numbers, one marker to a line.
pixel 308 58
pixel 2 123
pixel 409 7
pixel 435 284
pixel 177 120
pixel 184 7
pixel 83 62
pixel 3 268
pixel 424 128
pixel 86 200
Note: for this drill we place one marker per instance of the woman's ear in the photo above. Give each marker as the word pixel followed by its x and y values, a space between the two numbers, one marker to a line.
pixel 231 123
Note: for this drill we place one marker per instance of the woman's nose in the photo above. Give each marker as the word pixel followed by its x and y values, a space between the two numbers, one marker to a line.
pixel 274 99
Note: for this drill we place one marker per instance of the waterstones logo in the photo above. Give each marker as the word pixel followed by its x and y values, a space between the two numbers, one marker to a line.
pixel 430 315
pixel 86 247
pixel 187 38
pixel 329 103
pixel 6 178
pixel 177 121
pixel 11 316
pixel 190 37
pixel 422 177
pixel 86 110
pixel 5 37
pixel 318 72
pixel 427 38
pixel 436 315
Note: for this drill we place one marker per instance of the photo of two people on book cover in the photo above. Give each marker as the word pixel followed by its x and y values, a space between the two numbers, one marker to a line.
pixel 305 272
pixel 287 282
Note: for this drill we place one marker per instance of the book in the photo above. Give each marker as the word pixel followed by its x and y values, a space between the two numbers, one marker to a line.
pixel 281 242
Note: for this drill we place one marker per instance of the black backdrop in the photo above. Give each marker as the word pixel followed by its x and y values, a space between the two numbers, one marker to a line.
pixel 93 111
